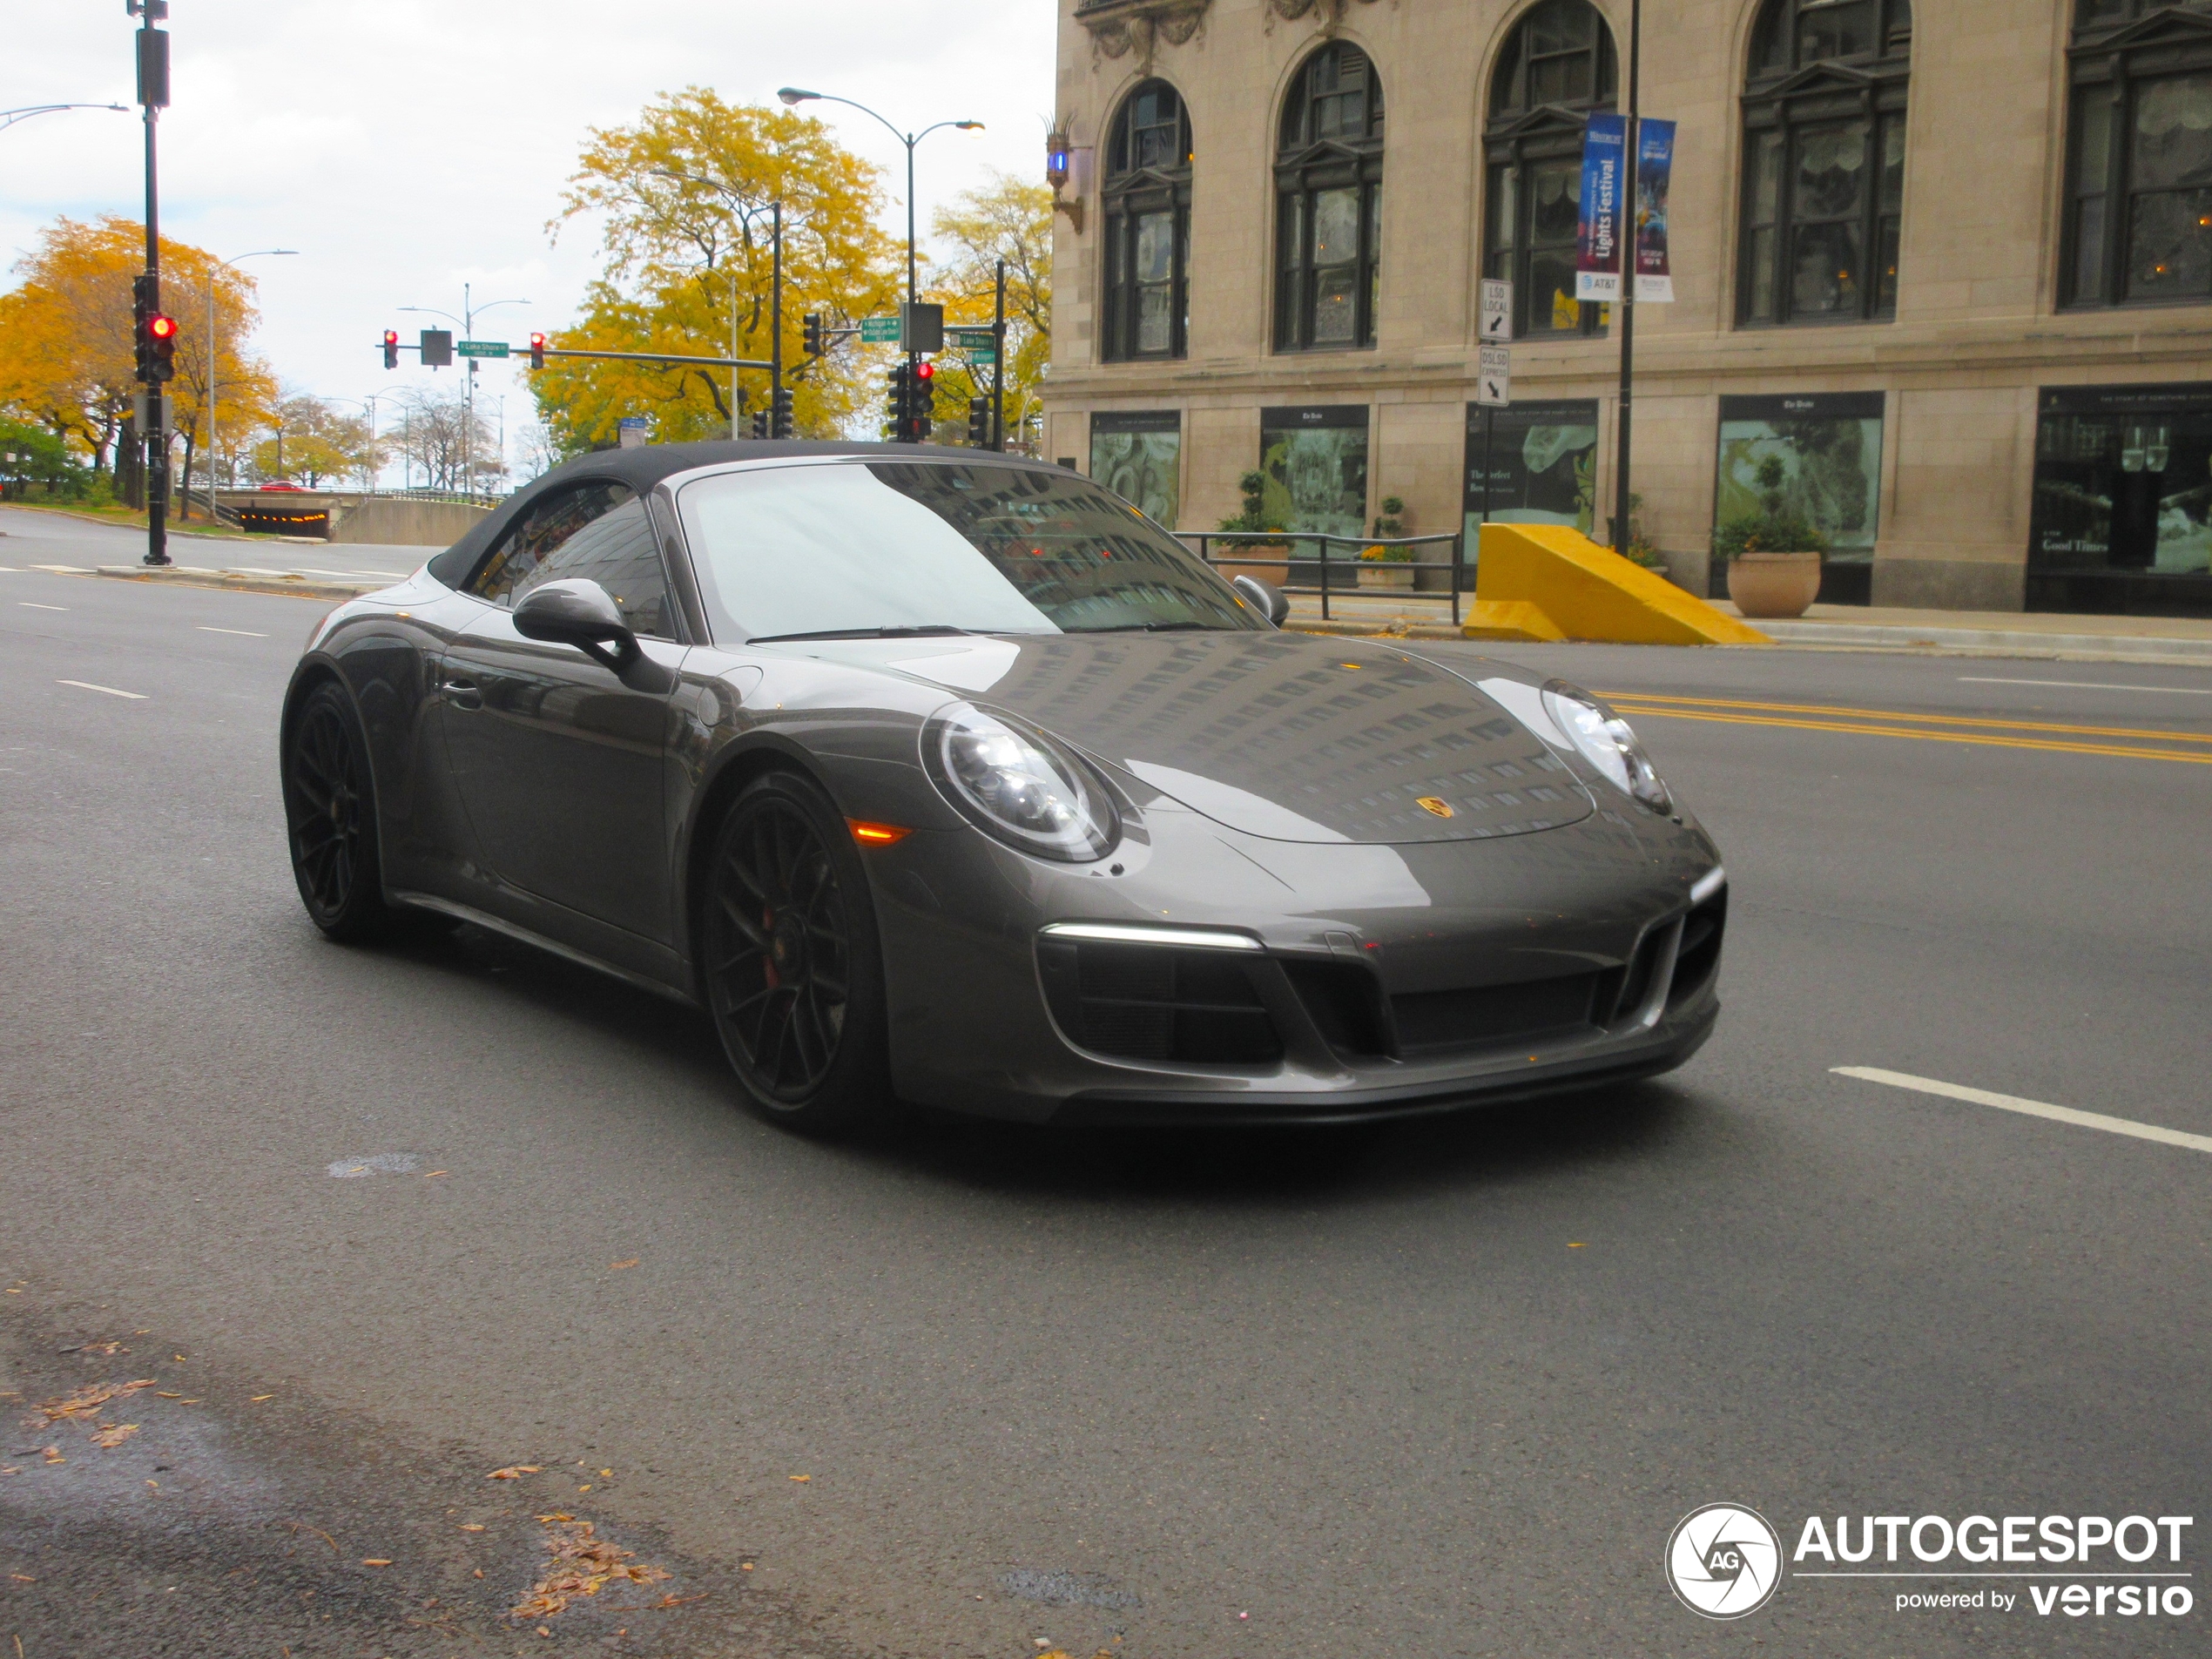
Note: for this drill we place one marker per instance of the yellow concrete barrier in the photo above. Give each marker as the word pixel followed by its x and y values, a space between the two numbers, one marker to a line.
pixel 1547 582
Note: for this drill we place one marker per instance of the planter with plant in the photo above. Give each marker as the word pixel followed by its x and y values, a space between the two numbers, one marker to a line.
pixel 1773 555
pixel 1641 549
pixel 1388 567
pixel 1255 519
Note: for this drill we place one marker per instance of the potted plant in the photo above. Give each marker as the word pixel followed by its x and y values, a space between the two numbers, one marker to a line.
pixel 1255 518
pixel 1773 555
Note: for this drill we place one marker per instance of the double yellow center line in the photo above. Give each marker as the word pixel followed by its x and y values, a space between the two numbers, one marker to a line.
pixel 2130 743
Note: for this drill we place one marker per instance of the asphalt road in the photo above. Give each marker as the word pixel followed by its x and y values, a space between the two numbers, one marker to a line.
pixel 1435 1390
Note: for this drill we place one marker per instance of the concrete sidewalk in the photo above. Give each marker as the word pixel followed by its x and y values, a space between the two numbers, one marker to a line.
pixel 1957 633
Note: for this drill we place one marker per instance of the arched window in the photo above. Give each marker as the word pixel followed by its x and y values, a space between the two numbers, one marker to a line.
pixel 1557 67
pixel 1824 161
pixel 1148 226
pixel 2138 161
pixel 1328 221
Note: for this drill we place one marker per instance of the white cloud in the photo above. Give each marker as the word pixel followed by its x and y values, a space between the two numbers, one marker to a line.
pixel 405 147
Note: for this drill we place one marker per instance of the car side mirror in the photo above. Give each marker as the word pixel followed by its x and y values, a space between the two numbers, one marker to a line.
pixel 1273 603
pixel 578 612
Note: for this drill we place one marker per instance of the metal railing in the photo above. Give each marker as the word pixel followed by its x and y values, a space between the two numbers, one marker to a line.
pixel 1312 573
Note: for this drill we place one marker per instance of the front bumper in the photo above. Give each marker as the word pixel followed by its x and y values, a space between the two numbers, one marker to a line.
pixel 985 1017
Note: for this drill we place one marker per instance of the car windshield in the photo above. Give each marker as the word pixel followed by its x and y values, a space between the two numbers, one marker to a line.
pixel 900 547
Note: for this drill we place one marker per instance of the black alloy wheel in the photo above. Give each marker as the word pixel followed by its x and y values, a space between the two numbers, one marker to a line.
pixel 790 959
pixel 330 813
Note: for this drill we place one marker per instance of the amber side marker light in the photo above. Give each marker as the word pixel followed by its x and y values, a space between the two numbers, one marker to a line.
pixel 869 834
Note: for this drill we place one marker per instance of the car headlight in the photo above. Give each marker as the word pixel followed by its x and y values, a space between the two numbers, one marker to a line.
pixel 1607 743
pixel 1016 784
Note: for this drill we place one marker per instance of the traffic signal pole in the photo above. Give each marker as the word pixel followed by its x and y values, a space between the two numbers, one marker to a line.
pixel 1631 162
pixel 153 94
pixel 998 365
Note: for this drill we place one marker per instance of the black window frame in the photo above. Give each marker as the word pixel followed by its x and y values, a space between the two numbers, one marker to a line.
pixel 1135 189
pixel 1793 93
pixel 1519 136
pixel 1310 165
pixel 2116 49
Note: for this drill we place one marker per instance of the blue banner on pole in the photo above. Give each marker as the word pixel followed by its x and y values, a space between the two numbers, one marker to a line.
pixel 1598 229
pixel 1654 168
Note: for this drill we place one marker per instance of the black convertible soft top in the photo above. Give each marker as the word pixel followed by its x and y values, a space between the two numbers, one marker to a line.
pixel 646 465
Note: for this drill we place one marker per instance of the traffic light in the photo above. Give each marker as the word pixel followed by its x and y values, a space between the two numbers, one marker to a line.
pixel 895 401
pixel 391 349
pixel 979 423
pixel 925 402
pixel 760 423
pixel 779 423
pixel 814 343
pixel 161 349
pixel 537 351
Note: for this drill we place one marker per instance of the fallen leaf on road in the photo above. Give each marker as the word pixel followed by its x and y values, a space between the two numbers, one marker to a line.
pixel 434 1175
pixel 515 1471
pixel 255 1400
pixel 111 1435
pixel 23 1578
pixel 376 1561
pixel 85 1402
pixel 606 1474
pixel 802 1479
pixel 54 1455
pixel 615 1267
pixel 472 1526
pixel 583 1564
pixel 159 1394
pixel 110 1349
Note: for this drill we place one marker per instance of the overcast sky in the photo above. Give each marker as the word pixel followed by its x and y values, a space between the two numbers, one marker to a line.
pixel 405 147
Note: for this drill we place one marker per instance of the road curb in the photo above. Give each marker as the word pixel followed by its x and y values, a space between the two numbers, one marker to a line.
pixel 1900 641
pixel 177 577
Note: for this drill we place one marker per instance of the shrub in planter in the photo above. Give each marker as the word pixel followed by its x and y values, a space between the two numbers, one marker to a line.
pixel 1773 555
pixel 1255 519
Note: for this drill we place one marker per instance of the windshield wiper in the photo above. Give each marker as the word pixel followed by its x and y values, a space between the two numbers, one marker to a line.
pixel 1148 628
pixel 894 631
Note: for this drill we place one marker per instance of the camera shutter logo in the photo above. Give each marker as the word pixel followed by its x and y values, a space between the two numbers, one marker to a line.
pixel 1723 1561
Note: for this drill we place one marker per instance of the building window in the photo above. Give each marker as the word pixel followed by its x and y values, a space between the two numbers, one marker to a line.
pixel 1328 185
pixel 2122 520
pixel 1137 453
pixel 2139 162
pixel 1824 161
pixel 1558 66
pixel 1148 226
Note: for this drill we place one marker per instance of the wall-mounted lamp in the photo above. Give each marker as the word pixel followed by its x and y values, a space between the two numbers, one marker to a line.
pixel 1059 156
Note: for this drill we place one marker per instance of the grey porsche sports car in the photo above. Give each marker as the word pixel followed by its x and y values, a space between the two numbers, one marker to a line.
pixel 944 777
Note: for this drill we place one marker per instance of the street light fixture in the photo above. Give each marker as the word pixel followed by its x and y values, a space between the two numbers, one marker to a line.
pixel 220 264
pixel 9 118
pixel 794 96
pixel 470 312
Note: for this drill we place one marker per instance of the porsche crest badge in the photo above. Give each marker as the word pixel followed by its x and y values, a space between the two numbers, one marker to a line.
pixel 1435 804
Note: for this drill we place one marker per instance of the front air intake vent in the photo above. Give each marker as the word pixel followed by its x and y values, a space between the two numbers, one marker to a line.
pixel 1492 1016
pixel 1698 958
pixel 1157 1002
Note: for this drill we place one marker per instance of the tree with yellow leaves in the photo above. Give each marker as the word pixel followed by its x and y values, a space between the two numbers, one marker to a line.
pixel 67 360
pixel 684 195
pixel 1011 221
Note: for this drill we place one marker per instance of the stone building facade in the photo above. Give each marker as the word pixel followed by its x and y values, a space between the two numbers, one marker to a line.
pixel 1950 263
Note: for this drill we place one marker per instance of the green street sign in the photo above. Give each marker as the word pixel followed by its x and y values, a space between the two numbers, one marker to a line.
pixel 481 347
pixel 878 331
pixel 983 337
pixel 983 356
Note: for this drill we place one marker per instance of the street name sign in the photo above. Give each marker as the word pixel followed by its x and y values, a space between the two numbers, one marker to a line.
pixel 481 347
pixel 1497 310
pixel 1493 376
pixel 878 331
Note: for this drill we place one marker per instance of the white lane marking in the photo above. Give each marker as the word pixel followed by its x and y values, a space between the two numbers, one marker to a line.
pixel 2032 1108
pixel 244 633
pixel 63 569
pixel 28 605
pixel 87 686
pixel 2085 685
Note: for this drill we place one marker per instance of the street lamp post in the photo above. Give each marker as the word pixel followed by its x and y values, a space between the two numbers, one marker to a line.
pixel 794 96
pixel 220 264
pixel 470 312
pixel 9 118
pixel 775 292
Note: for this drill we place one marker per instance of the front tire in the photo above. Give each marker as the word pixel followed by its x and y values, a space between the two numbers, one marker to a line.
pixel 791 962
pixel 330 816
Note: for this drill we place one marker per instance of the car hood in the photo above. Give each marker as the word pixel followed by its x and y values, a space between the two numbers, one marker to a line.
pixel 1279 735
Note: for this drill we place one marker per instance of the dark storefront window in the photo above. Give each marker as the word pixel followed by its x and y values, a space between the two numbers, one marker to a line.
pixel 1148 226
pixel 1328 192
pixel 1557 66
pixel 2139 156
pixel 1532 463
pixel 1829 446
pixel 1137 453
pixel 1316 462
pixel 1824 161
pixel 2123 500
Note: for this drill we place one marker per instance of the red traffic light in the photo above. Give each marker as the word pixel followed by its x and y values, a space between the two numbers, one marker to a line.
pixel 927 370
pixel 161 327
pixel 391 349
pixel 391 336
pixel 537 351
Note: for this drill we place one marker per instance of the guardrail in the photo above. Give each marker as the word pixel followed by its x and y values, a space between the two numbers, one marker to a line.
pixel 1317 567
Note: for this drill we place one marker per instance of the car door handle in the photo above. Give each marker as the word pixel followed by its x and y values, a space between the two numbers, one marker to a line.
pixel 462 693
